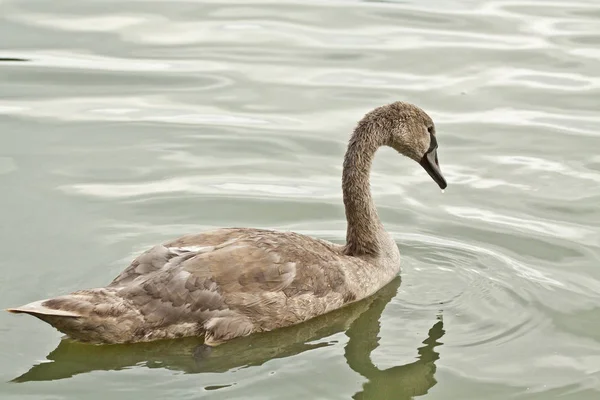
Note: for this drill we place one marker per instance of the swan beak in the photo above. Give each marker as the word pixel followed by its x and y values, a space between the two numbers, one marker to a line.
pixel 430 163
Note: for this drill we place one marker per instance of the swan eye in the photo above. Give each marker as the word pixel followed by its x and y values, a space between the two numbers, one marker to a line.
pixel 430 129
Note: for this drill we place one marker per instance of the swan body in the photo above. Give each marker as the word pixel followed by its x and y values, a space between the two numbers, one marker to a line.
pixel 233 282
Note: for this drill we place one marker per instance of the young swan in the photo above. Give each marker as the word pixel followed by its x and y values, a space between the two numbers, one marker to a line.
pixel 233 282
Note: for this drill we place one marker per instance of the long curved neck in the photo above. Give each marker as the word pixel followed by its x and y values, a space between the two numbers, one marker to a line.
pixel 364 227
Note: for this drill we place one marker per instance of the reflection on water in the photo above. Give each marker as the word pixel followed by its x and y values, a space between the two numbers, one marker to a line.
pixel 360 320
pixel 399 382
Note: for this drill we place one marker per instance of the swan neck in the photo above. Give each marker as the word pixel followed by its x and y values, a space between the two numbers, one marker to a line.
pixel 364 230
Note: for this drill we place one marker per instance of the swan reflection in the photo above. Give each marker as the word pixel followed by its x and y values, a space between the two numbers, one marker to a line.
pixel 360 321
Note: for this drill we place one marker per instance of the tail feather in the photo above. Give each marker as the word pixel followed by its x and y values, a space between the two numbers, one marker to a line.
pixel 94 315
pixel 37 308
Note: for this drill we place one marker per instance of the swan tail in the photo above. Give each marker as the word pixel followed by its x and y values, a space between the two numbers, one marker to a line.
pixel 38 309
pixel 96 315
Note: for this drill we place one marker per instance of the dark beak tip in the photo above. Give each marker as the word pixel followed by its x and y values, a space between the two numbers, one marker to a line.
pixel 430 164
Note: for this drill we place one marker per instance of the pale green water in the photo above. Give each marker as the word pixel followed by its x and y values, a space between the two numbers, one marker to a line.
pixel 133 122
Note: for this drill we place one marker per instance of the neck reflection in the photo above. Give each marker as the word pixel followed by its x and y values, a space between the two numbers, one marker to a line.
pixel 399 382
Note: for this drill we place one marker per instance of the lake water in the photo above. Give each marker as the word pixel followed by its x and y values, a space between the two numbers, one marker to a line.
pixel 127 123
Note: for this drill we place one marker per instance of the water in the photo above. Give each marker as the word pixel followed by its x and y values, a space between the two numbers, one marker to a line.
pixel 128 123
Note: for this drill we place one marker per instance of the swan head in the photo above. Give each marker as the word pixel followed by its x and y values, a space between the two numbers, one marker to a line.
pixel 410 131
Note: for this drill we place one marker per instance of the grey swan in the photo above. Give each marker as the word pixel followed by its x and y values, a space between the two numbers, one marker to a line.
pixel 233 282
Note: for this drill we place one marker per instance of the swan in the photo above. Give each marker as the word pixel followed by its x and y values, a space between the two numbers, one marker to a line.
pixel 233 282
